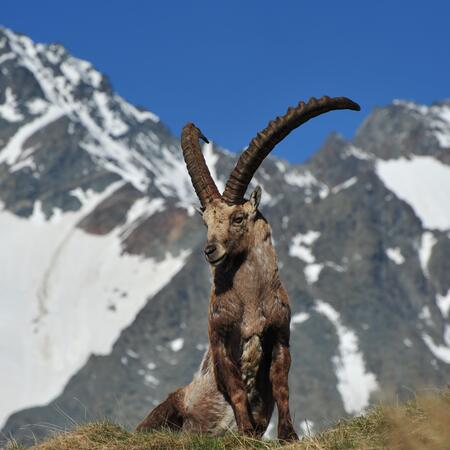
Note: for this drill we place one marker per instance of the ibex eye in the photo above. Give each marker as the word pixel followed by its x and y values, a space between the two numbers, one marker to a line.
pixel 237 220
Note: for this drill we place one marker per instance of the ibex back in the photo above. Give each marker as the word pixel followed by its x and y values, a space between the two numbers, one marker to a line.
pixel 244 373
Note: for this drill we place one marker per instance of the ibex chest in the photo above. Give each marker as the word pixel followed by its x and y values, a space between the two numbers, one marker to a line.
pixel 249 315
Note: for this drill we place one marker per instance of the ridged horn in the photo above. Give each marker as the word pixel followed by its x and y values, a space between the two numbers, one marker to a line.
pixel 201 178
pixel 264 142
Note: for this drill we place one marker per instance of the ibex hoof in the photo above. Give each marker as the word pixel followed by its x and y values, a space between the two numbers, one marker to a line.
pixel 250 432
pixel 288 435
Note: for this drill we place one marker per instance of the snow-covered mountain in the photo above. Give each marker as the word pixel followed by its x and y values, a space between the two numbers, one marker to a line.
pixel 105 291
pixel 69 144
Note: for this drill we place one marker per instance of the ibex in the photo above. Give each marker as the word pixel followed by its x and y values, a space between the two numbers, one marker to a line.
pixel 244 372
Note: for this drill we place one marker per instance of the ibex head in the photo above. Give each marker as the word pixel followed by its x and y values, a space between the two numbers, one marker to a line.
pixel 229 217
pixel 230 228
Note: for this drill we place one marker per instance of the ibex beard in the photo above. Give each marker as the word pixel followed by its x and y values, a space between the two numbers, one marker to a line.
pixel 244 372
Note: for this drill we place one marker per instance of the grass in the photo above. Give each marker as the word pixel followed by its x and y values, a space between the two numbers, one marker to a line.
pixel 422 424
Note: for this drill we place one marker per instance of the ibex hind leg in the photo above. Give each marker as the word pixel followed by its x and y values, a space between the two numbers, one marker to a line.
pixel 167 414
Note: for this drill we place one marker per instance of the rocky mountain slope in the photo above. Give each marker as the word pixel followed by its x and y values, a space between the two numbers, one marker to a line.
pixel 104 288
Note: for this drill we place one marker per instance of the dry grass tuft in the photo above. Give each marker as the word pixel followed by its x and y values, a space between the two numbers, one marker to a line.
pixel 422 424
pixel 418 425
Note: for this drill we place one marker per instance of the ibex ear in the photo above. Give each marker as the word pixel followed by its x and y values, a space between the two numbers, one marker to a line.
pixel 255 198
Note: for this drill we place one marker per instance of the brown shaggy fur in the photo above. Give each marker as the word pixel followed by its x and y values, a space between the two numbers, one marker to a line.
pixel 245 370
pixel 248 361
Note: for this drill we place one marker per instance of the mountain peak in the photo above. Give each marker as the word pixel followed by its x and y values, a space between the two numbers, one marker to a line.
pixel 405 128
pixel 46 92
pixel 52 57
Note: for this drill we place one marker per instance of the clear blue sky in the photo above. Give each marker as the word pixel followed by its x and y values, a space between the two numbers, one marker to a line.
pixel 230 66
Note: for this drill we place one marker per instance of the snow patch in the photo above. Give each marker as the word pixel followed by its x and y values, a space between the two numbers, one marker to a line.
pixel 9 110
pixel 436 117
pixel 211 159
pixel 443 303
pixel 281 166
pixel 425 315
pixel 172 178
pixel 26 162
pixel 140 211
pixel 12 151
pixel 422 109
pixel 305 179
pixel 441 124
pixel 139 115
pixel 355 384
pixel 177 344
pixel 407 342
pixel 112 123
pixel 424 183
pixel 441 352
pixel 357 153
pixel 345 185
pixel 151 379
pixel 336 267
pixel 300 246
pixel 324 191
pixel 77 70
pixel 6 57
pixel 132 353
pixel 395 255
pixel 57 310
pixel 82 196
pixel 37 216
pixel 116 157
pixel 69 70
pixel 312 272
pixel 299 318
pixel 37 106
pixel 427 243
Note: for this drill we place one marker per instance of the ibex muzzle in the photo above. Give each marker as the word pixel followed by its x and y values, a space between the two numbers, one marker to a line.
pixel 215 253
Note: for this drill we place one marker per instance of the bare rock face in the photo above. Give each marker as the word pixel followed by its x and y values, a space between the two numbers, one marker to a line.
pixel 105 290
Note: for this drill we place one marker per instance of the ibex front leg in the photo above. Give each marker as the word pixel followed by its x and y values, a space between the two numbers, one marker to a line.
pixel 230 384
pixel 279 371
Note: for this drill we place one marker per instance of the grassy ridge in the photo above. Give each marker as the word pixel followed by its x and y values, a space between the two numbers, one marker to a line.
pixel 418 425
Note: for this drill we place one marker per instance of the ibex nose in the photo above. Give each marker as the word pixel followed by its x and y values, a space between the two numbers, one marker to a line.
pixel 210 249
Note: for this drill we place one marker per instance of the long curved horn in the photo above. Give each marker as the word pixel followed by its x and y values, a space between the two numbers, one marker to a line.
pixel 204 185
pixel 263 143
